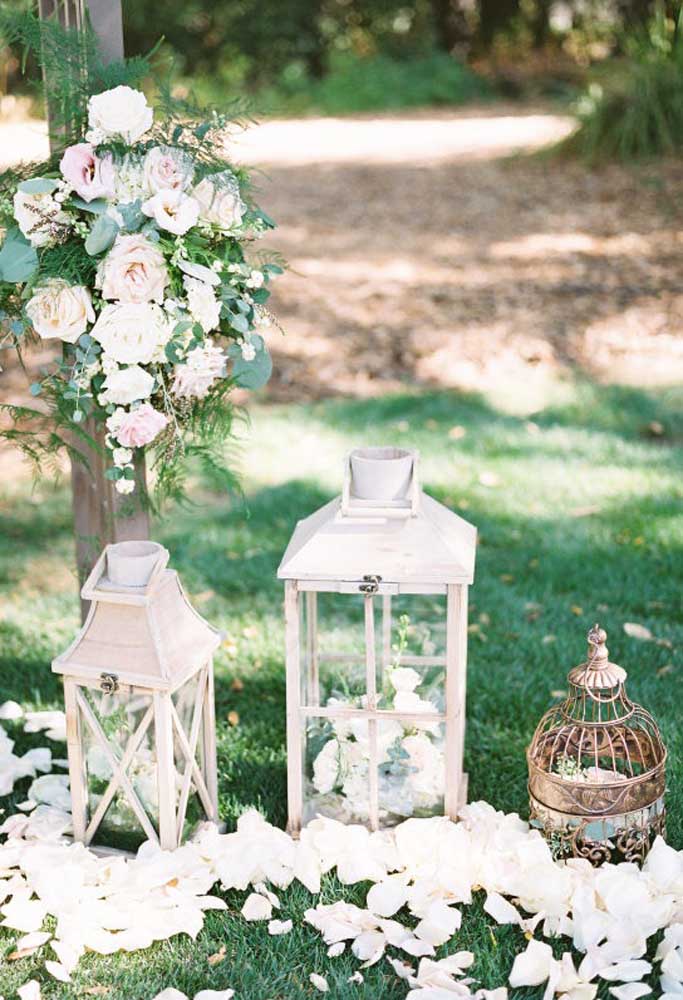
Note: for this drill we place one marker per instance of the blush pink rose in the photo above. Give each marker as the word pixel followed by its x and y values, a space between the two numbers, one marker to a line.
pixel 138 427
pixel 89 176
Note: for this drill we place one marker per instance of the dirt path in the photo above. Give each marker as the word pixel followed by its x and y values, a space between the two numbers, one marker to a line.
pixel 432 248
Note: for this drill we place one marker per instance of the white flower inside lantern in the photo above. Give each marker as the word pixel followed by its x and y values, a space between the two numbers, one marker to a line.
pixel 376 586
pixel 138 693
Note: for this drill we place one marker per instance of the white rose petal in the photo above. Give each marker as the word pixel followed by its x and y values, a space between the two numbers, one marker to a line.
pixel 319 982
pixel 336 949
pixel 11 710
pixel 257 907
pixel 533 966
pixel 356 977
pixel 387 898
pixel 214 995
pixel 500 909
pixel 30 990
pixel 277 927
pixel 57 970
pixel 624 972
pixel 630 991
pixel 120 113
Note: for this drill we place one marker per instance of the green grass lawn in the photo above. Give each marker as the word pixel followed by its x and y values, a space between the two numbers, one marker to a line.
pixel 580 520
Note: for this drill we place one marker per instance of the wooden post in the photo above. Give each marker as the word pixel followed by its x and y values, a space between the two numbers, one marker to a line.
pixel 101 515
pixel 456 682
pixel 294 730
pixel 371 695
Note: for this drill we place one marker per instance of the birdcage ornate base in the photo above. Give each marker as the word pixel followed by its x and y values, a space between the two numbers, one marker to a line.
pixel 625 837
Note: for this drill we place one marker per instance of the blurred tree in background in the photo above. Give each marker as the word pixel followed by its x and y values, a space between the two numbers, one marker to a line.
pixel 353 55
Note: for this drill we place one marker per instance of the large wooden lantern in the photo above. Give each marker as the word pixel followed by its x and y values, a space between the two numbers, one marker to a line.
pixel 597 766
pixel 138 692
pixel 376 587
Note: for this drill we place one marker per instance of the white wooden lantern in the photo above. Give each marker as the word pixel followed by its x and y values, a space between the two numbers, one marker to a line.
pixel 138 692
pixel 376 585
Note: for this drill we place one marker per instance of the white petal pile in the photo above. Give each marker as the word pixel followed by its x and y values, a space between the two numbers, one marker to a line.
pixel 12 767
pixel 423 873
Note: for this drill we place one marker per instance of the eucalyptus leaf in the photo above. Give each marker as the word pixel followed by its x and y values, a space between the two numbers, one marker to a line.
pixel 132 215
pixel 101 236
pixel 251 374
pixel 97 206
pixel 18 259
pixel 37 185
pixel 239 323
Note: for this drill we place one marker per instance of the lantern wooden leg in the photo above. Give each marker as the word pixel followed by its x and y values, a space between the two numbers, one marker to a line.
pixel 77 776
pixel 294 734
pixel 166 772
pixel 210 763
pixel 371 693
pixel 456 680
pixel 386 635
pixel 312 647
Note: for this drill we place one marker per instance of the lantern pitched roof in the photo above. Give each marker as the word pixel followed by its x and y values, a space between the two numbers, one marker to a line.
pixel 149 636
pixel 432 546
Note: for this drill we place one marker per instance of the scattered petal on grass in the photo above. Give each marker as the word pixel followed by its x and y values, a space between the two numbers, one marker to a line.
pixel 278 927
pixel 636 631
pixel 319 982
pixel 10 711
pixel 257 907
pixel 499 908
pixel 387 898
pixel 33 940
pixel 631 991
pixel 30 990
pixel 214 995
pixel 532 967
pixel 356 977
pixel 170 993
pixel 336 949
pixel 626 972
pixel 57 970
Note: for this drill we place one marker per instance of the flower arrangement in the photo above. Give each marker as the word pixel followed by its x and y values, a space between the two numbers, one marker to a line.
pixel 133 249
pixel 410 754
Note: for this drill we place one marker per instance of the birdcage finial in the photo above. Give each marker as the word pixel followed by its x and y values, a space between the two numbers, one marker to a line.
pixel 597 671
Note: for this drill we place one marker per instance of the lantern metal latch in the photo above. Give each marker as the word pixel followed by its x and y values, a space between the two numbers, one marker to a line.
pixel 109 683
pixel 370 584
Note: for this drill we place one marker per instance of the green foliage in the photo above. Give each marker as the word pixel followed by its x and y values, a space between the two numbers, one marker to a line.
pixel 380 83
pixel 639 113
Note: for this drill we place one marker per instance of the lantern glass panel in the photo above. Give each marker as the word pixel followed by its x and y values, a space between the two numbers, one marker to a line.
pixel 125 718
pixel 188 703
pixel 412 772
pixel 336 770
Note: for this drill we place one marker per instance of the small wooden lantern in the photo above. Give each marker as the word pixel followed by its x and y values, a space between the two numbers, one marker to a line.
pixel 376 711
pixel 597 766
pixel 138 692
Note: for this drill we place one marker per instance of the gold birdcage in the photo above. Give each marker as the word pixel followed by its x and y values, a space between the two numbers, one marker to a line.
pixel 597 767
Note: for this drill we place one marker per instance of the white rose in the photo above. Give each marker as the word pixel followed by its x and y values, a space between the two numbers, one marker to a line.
pixel 165 168
pixel 204 308
pixel 404 679
pixel 58 309
pixel 125 485
pixel 40 217
pixel 127 385
pixel 172 210
pixel 326 767
pixel 132 332
pixel 134 270
pixel 121 112
pixel 219 200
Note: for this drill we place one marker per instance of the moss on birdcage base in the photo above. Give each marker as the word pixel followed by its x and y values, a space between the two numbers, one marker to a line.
pixel 543 576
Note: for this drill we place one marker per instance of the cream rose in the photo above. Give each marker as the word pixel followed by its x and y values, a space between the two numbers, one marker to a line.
pixel 134 270
pixel 127 385
pixel 132 332
pixel 58 309
pixel 39 217
pixel 172 210
pixel 167 169
pixel 121 113
pixel 219 200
